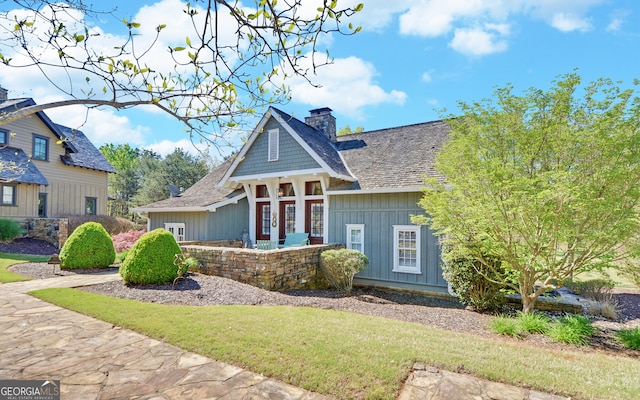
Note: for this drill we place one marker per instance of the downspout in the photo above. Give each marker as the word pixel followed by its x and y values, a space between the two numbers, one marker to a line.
pixel 147 218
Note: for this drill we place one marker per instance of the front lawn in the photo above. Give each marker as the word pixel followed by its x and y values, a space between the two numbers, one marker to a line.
pixel 6 260
pixel 353 356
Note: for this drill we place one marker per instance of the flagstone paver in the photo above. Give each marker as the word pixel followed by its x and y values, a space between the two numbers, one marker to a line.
pixel 96 360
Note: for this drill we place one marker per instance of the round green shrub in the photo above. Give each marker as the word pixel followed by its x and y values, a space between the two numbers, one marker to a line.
pixel 465 275
pixel 89 246
pixel 151 259
pixel 340 266
pixel 9 230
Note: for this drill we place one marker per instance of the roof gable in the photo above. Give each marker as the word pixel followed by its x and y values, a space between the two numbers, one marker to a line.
pixel 312 150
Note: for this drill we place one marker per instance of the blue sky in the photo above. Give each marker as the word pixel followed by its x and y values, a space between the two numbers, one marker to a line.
pixel 411 60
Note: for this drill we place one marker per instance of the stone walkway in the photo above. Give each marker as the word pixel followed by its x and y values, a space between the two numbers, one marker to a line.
pixel 96 360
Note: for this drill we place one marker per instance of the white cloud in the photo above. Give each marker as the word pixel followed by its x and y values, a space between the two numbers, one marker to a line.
pixel 165 147
pixel 100 125
pixel 617 18
pixel 347 85
pixel 569 22
pixel 426 77
pixel 479 41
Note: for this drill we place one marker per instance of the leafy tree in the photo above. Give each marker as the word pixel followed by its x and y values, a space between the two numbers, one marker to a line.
pixel 347 130
pixel 179 168
pixel 232 60
pixel 123 185
pixel 546 181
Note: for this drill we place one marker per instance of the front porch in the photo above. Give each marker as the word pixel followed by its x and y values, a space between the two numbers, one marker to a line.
pixel 278 269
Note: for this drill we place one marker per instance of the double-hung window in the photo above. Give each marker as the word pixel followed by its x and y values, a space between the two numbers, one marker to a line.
pixel 40 148
pixel 355 237
pixel 91 206
pixel 8 195
pixel 406 249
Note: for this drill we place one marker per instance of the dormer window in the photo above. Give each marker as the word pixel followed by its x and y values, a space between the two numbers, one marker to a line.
pixel 40 148
pixel 274 144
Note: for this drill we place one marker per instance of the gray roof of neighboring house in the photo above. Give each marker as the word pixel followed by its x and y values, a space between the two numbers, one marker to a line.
pixel 80 152
pixel 392 158
pixel 18 168
pixel 318 142
pixel 203 193
pixel 87 155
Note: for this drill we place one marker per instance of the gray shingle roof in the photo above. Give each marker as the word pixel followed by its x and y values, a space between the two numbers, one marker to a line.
pixel 18 168
pixel 392 158
pixel 203 193
pixel 317 141
pixel 87 155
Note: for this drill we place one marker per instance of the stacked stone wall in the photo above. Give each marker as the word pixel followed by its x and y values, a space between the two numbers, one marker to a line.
pixel 279 269
pixel 52 230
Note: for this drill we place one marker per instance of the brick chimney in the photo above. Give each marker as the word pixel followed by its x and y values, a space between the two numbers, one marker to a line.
pixel 324 121
pixel 4 94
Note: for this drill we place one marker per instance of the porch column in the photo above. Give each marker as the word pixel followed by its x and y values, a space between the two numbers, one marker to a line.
pixel 298 189
pixel 251 199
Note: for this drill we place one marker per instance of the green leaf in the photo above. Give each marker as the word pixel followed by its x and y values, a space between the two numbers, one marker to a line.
pixel 359 7
pixel 188 41
pixel 179 48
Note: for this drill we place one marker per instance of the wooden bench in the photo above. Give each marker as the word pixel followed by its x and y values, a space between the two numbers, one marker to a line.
pixel 295 240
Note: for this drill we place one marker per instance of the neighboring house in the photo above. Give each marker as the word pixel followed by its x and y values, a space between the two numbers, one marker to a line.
pixel 48 170
pixel 294 176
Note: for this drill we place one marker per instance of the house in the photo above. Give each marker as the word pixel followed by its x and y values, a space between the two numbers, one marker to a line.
pixel 48 170
pixel 294 176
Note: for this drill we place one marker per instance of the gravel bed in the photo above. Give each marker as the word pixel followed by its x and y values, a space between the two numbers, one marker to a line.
pixel 201 290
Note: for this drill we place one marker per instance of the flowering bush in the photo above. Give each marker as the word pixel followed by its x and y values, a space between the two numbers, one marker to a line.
pixel 125 240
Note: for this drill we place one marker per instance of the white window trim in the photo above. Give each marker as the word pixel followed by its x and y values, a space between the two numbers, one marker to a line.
pixel 176 227
pixel 274 144
pixel 352 227
pixel 396 251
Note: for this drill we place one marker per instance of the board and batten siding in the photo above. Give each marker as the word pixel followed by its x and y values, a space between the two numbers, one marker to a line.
pixel 69 186
pixel 26 203
pixel 291 155
pixel 225 223
pixel 228 222
pixel 379 213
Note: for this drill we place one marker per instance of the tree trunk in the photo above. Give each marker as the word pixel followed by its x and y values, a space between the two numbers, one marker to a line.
pixel 528 304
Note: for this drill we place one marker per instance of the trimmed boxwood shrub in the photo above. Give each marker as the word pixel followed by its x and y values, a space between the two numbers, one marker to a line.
pixel 89 246
pixel 9 230
pixel 151 258
pixel 339 267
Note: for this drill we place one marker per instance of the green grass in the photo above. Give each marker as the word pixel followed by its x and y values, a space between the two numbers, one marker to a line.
pixel 630 338
pixel 572 329
pixel 533 322
pixel 10 259
pixel 352 356
pixel 505 325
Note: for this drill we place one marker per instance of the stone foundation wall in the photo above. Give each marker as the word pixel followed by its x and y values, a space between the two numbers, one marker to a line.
pixel 233 243
pixel 53 230
pixel 279 269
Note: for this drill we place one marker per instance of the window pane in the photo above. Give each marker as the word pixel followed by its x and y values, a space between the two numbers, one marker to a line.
pixel 7 195
pixel 290 218
pixel 317 219
pixel 90 206
pixel 266 219
pixel 40 148
pixel 42 205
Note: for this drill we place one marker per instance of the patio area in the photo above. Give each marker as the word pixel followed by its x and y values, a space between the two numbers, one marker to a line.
pixel 275 269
